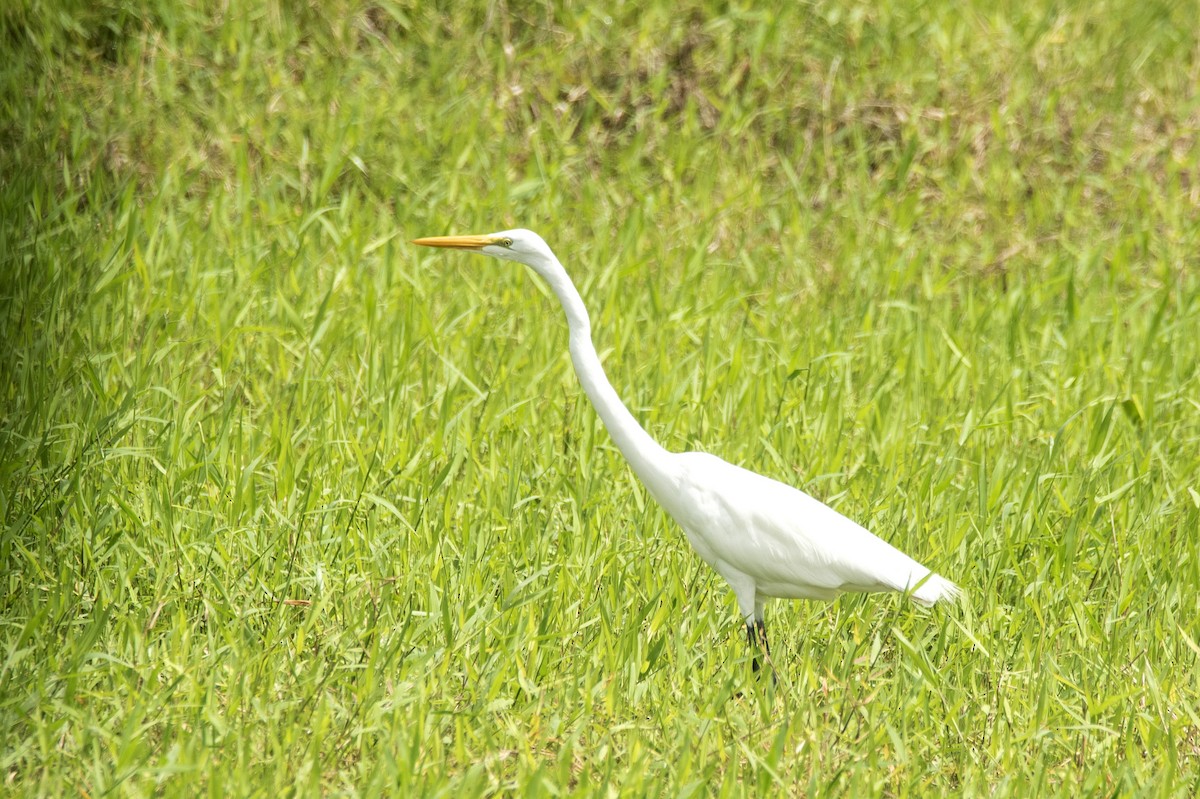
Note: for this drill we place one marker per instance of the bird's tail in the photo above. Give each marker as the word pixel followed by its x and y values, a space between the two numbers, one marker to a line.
pixel 936 588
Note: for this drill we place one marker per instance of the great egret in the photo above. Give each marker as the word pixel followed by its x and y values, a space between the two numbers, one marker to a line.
pixel 767 539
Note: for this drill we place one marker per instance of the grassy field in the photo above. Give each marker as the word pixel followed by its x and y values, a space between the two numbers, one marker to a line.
pixel 291 507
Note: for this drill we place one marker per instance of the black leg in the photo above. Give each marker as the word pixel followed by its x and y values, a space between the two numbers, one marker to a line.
pixel 756 636
pixel 761 624
pixel 752 641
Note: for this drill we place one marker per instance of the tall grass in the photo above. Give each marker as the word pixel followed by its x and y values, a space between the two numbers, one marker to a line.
pixel 290 506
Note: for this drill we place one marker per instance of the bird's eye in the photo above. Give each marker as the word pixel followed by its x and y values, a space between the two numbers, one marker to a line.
pixel 506 242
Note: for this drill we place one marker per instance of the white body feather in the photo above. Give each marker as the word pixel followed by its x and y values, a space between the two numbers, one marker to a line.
pixel 768 539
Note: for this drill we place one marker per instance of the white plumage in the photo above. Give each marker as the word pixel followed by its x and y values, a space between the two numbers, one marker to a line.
pixel 766 538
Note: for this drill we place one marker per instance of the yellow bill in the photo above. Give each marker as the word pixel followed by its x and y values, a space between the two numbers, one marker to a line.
pixel 457 242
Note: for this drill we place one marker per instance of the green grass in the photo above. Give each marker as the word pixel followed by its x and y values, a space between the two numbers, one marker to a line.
pixel 292 507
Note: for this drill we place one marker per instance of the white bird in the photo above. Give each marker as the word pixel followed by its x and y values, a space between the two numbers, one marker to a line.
pixel 767 539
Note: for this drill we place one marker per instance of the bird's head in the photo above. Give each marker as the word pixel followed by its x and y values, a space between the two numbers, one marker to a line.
pixel 522 246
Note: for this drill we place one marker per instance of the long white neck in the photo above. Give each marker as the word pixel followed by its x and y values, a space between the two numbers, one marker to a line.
pixel 649 460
